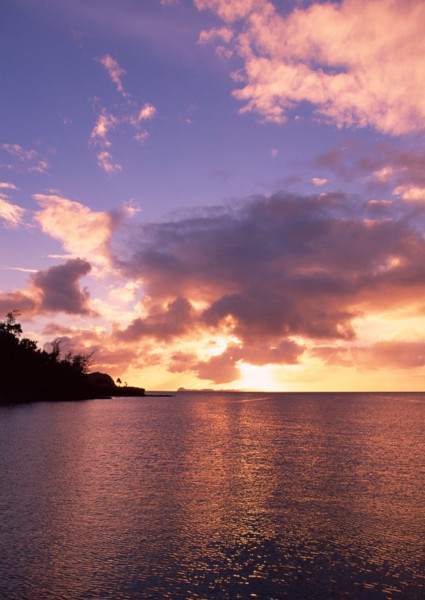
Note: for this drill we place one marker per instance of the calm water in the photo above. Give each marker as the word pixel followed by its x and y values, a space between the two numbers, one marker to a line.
pixel 214 496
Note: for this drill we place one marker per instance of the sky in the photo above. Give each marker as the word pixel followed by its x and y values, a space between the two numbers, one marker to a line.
pixel 214 194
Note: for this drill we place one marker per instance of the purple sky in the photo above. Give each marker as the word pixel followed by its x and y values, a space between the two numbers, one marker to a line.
pixel 218 194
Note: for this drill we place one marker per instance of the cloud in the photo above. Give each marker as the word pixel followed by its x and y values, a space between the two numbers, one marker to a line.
pixel 273 280
pixel 276 269
pixel 384 170
pixel 164 324
pixel 218 369
pixel 411 193
pixel 7 186
pixel 107 164
pixel 31 159
pixel 319 181
pixel 59 288
pixel 20 269
pixel 82 232
pixel 225 367
pixel 224 34
pixel 114 70
pixel 148 111
pixel 19 300
pixel 104 124
pixel 359 63
pixel 125 115
pixel 389 354
pixel 11 214
pixel 20 152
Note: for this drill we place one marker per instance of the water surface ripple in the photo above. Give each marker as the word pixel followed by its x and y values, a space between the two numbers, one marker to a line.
pixel 214 496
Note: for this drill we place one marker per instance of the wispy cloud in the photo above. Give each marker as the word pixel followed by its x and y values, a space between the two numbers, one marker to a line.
pixel 147 112
pixel 20 269
pixel 225 34
pixel 125 115
pixel 7 186
pixel 31 159
pixel 104 125
pixel 359 62
pixel 11 214
pixel 116 73
pixel 107 164
pixel 20 152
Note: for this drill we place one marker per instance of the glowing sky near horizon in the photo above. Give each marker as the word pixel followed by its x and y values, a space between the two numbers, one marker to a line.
pixel 218 194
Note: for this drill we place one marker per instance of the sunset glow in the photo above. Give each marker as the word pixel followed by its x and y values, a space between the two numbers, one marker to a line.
pixel 214 194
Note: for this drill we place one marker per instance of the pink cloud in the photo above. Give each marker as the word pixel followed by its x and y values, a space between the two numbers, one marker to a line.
pixel 319 181
pixel 106 162
pixel 19 152
pixel 125 115
pixel 104 124
pixel 359 62
pixel 30 158
pixel 224 34
pixel 20 300
pixel 115 72
pixel 11 214
pixel 82 232
pixel 148 111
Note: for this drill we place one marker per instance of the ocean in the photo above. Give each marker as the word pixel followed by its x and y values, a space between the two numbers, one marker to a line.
pixel 214 495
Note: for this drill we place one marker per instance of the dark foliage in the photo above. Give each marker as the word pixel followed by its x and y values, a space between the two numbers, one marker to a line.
pixel 28 373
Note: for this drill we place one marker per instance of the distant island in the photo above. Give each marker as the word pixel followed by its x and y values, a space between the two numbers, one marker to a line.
pixel 30 374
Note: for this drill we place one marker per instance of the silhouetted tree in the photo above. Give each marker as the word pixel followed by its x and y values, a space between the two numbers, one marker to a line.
pixel 28 372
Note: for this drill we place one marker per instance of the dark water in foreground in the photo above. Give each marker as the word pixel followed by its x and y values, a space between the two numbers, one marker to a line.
pixel 214 496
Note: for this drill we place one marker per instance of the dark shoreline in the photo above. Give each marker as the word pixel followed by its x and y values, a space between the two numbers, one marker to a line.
pixel 16 398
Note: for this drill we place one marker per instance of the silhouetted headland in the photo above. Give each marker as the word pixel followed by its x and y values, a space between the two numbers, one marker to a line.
pixel 29 374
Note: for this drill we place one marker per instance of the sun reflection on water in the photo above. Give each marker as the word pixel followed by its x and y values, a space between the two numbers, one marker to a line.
pixel 215 496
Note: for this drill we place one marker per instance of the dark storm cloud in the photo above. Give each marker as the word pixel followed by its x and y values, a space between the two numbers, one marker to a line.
pixel 281 266
pixel 59 287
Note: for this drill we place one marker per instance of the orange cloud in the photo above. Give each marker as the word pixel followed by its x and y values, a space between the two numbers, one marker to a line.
pixel 148 111
pixel 388 354
pixel 360 63
pixel 83 233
